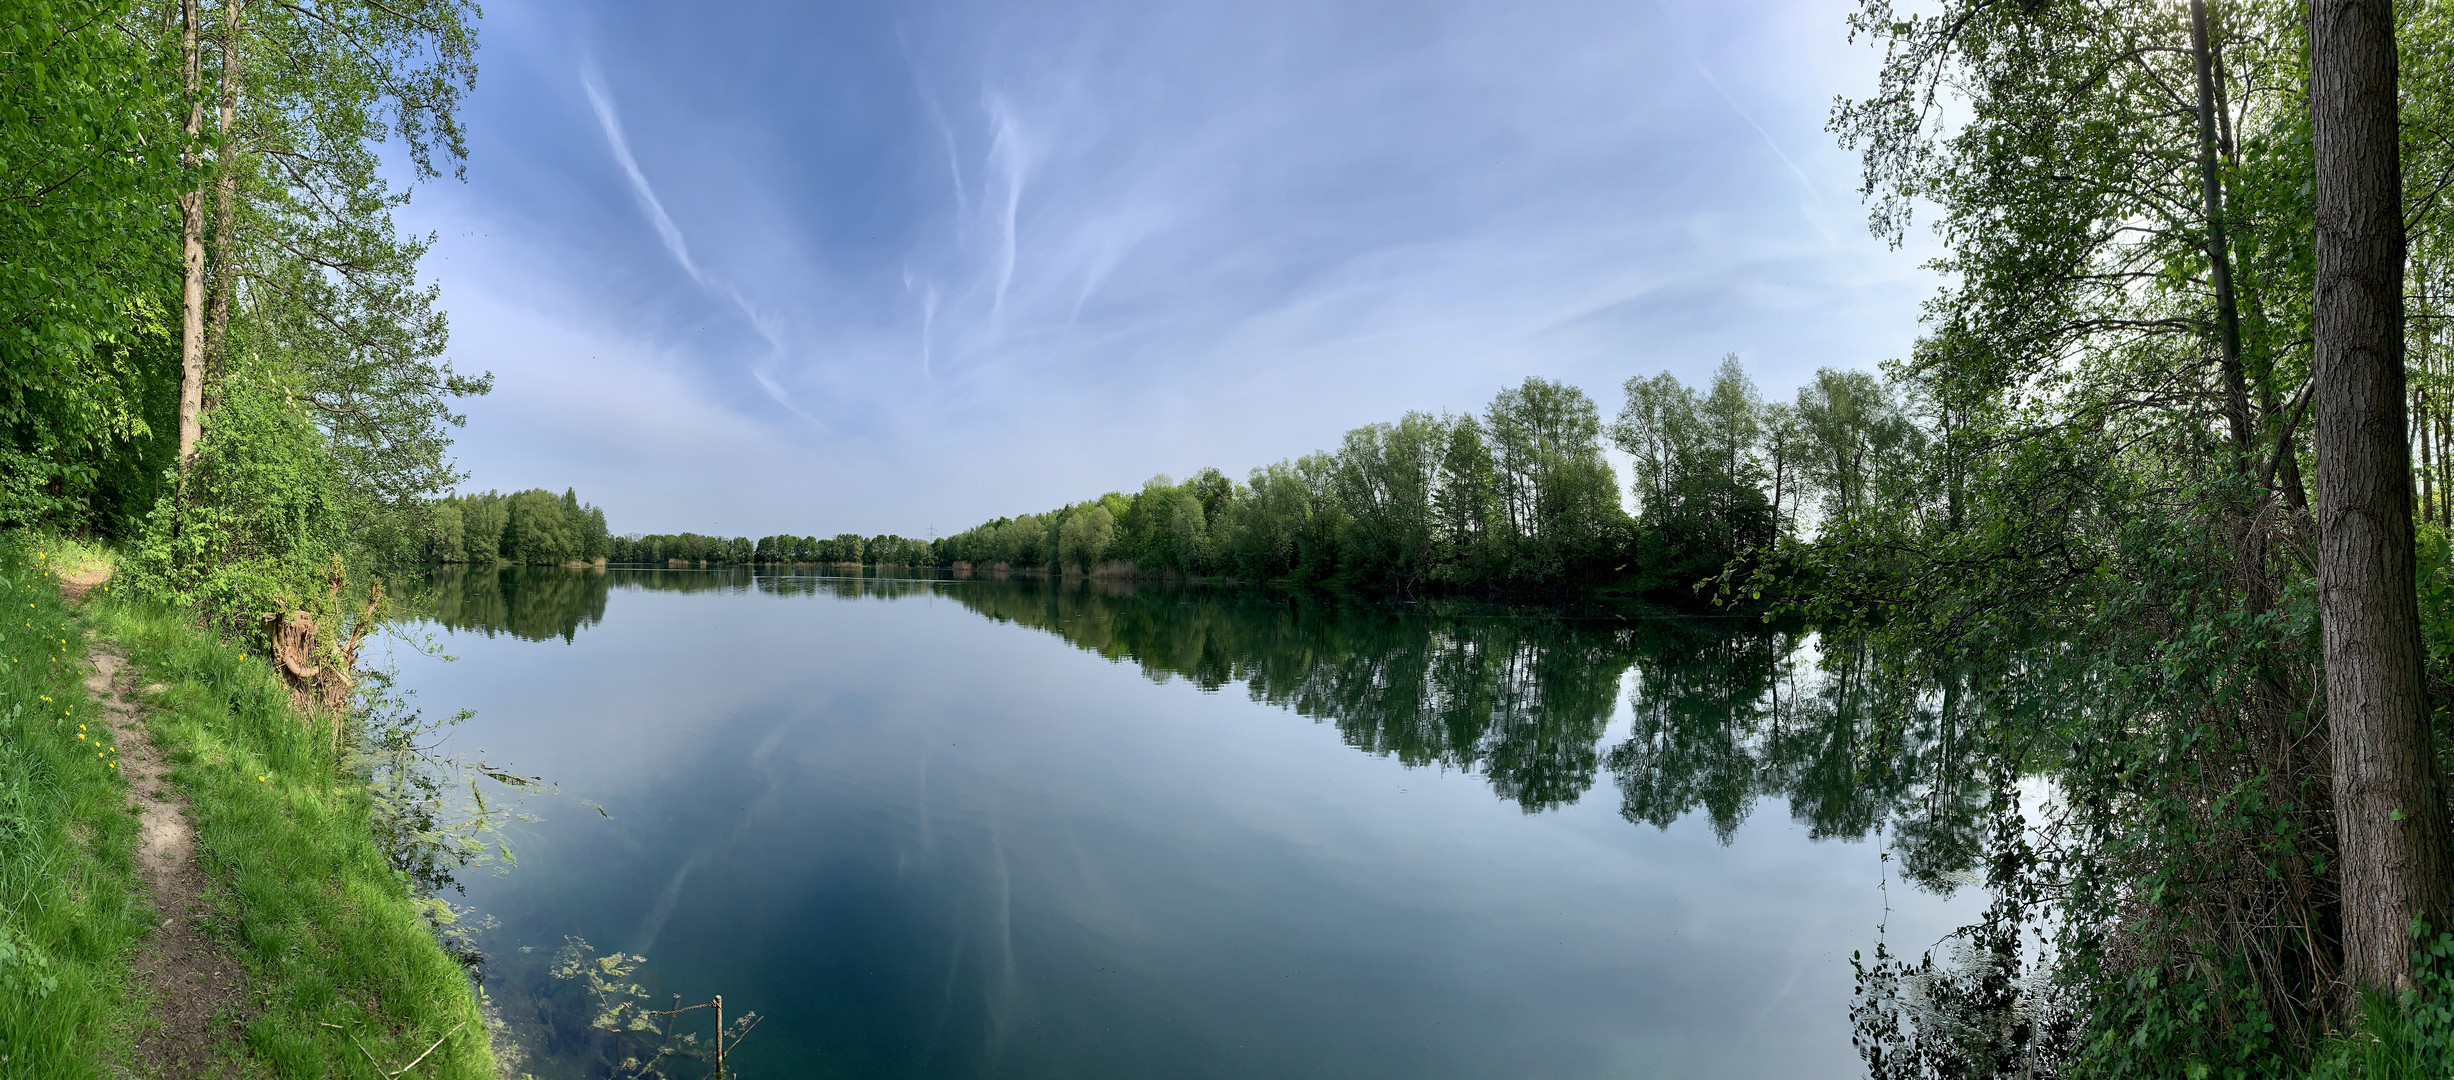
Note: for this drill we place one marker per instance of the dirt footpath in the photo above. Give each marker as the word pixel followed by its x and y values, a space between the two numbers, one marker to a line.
pixel 197 993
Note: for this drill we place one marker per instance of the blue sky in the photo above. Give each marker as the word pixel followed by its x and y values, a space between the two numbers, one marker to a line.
pixel 813 268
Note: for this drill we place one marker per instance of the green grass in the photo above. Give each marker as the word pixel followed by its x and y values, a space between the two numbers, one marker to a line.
pixel 341 967
pixel 70 911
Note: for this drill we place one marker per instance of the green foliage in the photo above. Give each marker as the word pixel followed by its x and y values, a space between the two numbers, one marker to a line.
pixel 319 280
pixel 1405 506
pixel 2435 559
pixel 261 519
pixel 534 527
pixel 2409 1038
pixel 1085 537
pixel 307 266
pixel 2073 489
pixel 87 169
pixel 1518 501
pixel 325 433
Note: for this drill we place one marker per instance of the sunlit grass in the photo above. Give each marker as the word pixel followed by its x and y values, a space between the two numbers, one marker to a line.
pixel 343 971
pixel 70 911
pixel 64 557
pixel 345 979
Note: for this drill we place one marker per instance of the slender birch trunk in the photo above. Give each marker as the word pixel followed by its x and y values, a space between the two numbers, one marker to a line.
pixel 191 235
pixel 2445 475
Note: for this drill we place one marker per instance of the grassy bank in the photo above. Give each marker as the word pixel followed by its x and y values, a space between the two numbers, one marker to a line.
pixel 70 910
pixel 344 977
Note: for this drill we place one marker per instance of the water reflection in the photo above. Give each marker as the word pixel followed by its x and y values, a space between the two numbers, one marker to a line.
pixel 1724 712
pixel 927 845
pixel 540 603
pixel 533 603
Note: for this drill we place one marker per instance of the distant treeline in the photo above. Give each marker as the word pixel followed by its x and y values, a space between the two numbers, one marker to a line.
pixel 1519 499
pixel 885 550
pixel 532 527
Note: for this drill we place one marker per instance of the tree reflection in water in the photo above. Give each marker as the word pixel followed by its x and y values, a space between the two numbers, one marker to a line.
pixel 1722 712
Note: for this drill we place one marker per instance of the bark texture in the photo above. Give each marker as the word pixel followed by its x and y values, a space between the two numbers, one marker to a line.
pixel 192 256
pixel 2388 804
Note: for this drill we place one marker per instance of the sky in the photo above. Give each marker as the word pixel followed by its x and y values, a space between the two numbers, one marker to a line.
pixel 763 267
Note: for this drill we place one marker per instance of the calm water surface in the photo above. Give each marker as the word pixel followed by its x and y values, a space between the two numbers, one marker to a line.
pixel 1015 828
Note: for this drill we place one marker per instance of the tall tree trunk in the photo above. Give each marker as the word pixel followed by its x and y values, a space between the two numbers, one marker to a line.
pixel 2420 436
pixel 2445 475
pixel 225 196
pixel 2390 814
pixel 2424 425
pixel 2219 250
pixel 2435 421
pixel 191 235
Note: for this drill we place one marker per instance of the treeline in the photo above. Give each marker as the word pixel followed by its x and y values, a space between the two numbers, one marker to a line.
pixel 531 527
pixel 1517 499
pixel 883 550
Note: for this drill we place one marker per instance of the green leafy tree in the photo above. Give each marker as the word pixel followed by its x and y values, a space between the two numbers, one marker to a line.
pixel 88 172
pixel 2088 478
pixel 1386 478
pixel 1559 496
pixel 306 266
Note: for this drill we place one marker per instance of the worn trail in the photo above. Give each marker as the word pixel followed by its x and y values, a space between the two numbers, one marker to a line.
pixel 196 990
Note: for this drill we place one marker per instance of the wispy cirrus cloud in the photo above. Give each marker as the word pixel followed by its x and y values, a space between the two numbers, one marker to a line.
pixel 1005 260
pixel 610 122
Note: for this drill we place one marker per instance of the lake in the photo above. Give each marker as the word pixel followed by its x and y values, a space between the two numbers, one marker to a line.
pixel 929 827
